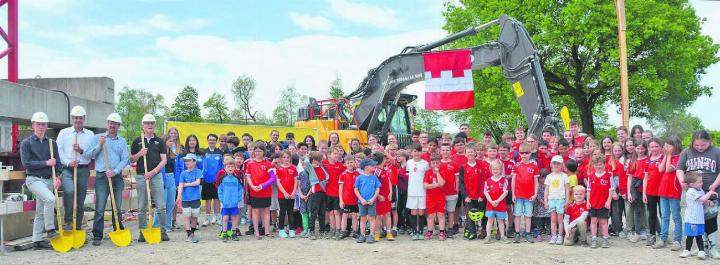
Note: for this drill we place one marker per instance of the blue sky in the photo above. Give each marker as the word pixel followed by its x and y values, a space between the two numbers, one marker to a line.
pixel 163 45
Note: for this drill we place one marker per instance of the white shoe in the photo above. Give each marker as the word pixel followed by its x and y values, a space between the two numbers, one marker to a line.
pixel 207 221
pixel 644 235
pixel 219 219
pixel 685 253
pixel 701 255
pixel 552 240
pixel 623 234
pixel 214 220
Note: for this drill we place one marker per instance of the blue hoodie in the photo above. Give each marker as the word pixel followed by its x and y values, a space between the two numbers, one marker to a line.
pixel 230 191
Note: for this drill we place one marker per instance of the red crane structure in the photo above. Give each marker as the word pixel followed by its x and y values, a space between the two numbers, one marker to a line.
pixel 10 36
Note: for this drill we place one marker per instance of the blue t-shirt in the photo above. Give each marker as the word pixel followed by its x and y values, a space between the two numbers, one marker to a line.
pixel 366 185
pixel 190 193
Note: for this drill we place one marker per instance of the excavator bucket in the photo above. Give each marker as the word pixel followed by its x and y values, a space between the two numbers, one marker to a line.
pixel 122 237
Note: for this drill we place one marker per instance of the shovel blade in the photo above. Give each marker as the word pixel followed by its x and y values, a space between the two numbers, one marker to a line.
pixel 78 237
pixel 121 238
pixel 62 243
pixel 152 235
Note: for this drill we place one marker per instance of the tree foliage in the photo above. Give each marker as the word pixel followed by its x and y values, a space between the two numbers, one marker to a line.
pixel 217 108
pixel 243 90
pixel 132 104
pixel 578 49
pixel 286 110
pixel 186 107
pixel 336 90
pixel 429 121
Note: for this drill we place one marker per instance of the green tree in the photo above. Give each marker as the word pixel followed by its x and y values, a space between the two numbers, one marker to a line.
pixel 186 107
pixel 286 109
pixel 678 123
pixel 578 49
pixel 429 121
pixel 336 90
pixel 243 90
pixel 132 104
pixel 217 108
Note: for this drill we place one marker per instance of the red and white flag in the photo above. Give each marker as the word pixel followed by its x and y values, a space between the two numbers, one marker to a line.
pixel 448 80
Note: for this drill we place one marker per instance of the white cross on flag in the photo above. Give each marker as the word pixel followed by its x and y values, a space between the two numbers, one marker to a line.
pixel 448 80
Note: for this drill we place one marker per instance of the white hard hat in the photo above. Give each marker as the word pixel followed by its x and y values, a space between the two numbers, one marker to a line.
pixel 77 111
pixel 39 117
pixel 148 118
pixel 114 117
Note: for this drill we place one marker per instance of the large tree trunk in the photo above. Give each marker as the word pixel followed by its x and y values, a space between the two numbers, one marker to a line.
pixel 586 115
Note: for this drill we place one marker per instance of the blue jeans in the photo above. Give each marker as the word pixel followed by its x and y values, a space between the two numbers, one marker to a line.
pixel 169 190
pixel 670 206
pixel 102 192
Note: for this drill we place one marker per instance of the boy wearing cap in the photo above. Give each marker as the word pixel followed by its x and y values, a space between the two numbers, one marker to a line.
pixel 35 157
pixel 189 195
pixel 367 188
pixel 557 192
pixel 154 153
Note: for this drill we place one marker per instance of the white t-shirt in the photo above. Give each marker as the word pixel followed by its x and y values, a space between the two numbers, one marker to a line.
pixel 416 174
pixel 694 212
pixel 556 185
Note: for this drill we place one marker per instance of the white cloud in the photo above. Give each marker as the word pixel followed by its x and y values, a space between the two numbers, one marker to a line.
pixel 368 14
pixel 158 22
pixel 310 22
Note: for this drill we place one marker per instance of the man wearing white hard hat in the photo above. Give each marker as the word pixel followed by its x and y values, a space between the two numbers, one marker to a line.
pixel 73 142
pixel 35 157
pixel 154 152
pixel 118 157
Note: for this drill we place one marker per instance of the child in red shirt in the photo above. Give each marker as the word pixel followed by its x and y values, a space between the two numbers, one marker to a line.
pixel 260 177
pixel 495 190
pixel 575 217
pixel 391 165
pixel 473 177
pixel 599 199
pixel 287 185
pixel 434 199
pixel 449 171
pixel 384 205
pixel 525 186
pixel 348 200
pixel 670 192
pixel 637 168
pixel 334 168
pixel 651 186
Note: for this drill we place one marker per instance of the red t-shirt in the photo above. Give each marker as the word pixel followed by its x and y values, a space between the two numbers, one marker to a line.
pixel 575 210
pixel 638 172
pixel 599 187
pixel 620 173
pixel 654 177
pixel 287 177
pixel 321 176
pixel 582 173
pixel 384 178
pixel 448 171
pixel 258 172
pixel 508 166
pixel 516 146
pixel 347 179
pixel 425 156
pixel 669 184
pixel 434 194
pixel 460 159
pixel 392 168
pixel 579 141
pixel 543 161
pixel 525 175
pixel 495 189
pixel 334 170
pixel 474 180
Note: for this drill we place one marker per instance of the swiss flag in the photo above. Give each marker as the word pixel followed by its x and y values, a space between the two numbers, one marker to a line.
pixel 448 80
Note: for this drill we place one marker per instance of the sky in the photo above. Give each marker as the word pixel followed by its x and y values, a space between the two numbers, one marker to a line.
pixel 164 45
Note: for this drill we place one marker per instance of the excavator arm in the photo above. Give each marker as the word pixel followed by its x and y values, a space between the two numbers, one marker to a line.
pixel 513 51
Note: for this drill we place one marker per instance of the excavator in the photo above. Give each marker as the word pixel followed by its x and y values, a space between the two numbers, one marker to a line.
pixel 378 107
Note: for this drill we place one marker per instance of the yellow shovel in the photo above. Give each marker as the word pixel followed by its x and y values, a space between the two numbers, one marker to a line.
pixel 61 243
pixel 77 236
pixel 151 234
pixel 565 116
pixel 119 237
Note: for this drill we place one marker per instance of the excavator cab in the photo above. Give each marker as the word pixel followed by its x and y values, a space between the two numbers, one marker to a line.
pixel 401 122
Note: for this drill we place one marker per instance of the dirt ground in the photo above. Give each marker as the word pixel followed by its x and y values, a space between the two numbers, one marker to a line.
pixel 303 251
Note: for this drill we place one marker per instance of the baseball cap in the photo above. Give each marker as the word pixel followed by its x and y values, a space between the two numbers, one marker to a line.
pixel 190 157
pixel 558 159
pixel 367 162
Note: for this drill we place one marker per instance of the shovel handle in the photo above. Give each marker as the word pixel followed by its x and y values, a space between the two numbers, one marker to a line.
pixel 75 189
pixel 147 183
pixel 54 177
pixel 112 193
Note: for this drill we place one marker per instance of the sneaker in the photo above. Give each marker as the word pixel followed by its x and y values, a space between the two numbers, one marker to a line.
pixel 483 234
pixel 644 235
pixel 659 244
pixel 51 234
pixel 40 245
pixel 243 221
pixel 428 235
pixel 282 234
pixel 343 235
pixel 488 240
pixel 236 236
pixel 713 253
pixel 701 255
pixel 529 238
pixel 449 234
pixel 96 241
pixel 214 220
pixel 355 235
pixel 376 237
pixel 291 234
pixel 634 238
pixel 516 237
pixel 394 232
pixel 370 239
pixel 361 239
pixel 250 231
pixel 675 246
pixel 651 239
pixel 593 242
pixel 685 253
pixel 304 234
pixel 312 236
pixel 225 238
pixel 442 236
pixel 622 234
pixel 164 236
pixel 605 243
pixel 390 237
pixel 141 238
pixel 193 238
pixel 206 222
pixel 505 240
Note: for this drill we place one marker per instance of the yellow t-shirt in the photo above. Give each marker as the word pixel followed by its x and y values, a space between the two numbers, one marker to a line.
pixel 573 181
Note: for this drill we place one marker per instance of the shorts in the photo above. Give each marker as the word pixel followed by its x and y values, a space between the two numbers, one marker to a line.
pixel 383 208
pixel 556 205
pixel 523 207
pixel 234 211
pixel 191 208
pixel 415 202
pixel 366 210
pixel 451 203
pixel 208 191
pixel 496 215
pixel 350 209
pixel 694 229
pixel 603 213
pixel 256 202
pixel 435 205
pixel 332 203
